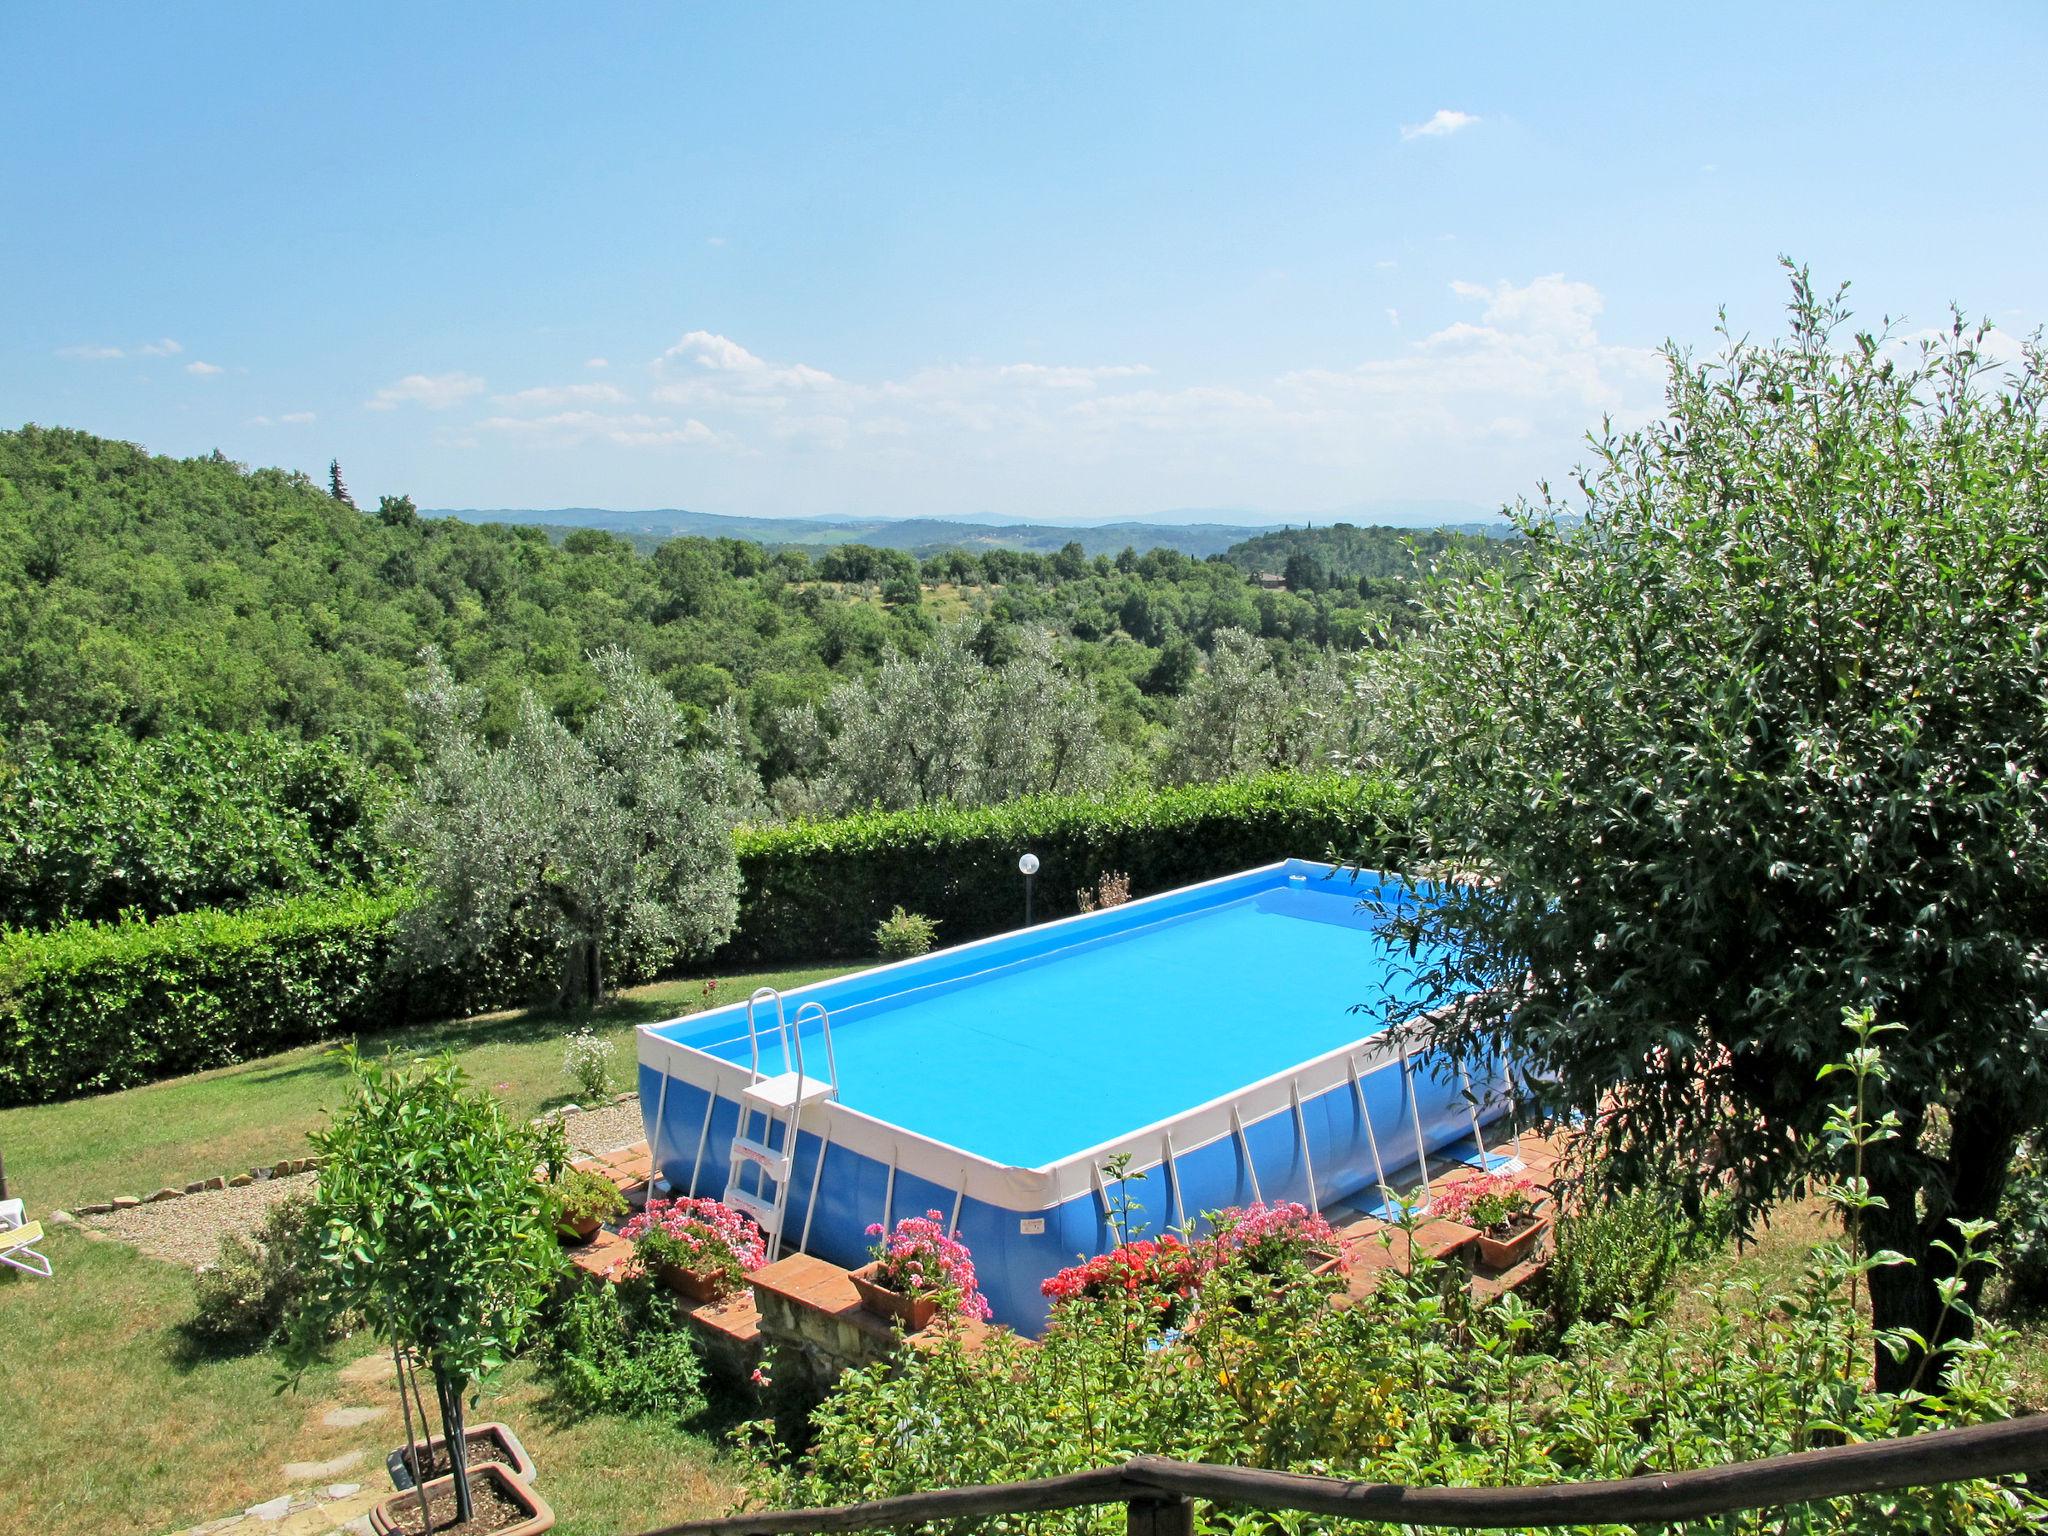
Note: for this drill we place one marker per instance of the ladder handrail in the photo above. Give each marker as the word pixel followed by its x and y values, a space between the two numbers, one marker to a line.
pixel 825 1028
pixel 754 1034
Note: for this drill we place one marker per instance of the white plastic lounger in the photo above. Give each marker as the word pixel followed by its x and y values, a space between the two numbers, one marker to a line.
pixel 18 1241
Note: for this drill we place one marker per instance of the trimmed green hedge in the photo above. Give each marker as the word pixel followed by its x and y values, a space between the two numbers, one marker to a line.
pixel 816 889
pixel 92 1007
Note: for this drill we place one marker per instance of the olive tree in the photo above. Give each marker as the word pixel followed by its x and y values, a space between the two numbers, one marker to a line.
pixel 944 726
pixel 430 1226
pixel 1244 715
pixel 568 847
pixel 1752 734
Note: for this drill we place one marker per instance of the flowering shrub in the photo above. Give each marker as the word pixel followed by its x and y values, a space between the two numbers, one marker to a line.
pixel 587 1059
pixel 1488 1203
pixel 707 1236
pixel 1160 1274
pixel 1270 1239
pixel 919 1259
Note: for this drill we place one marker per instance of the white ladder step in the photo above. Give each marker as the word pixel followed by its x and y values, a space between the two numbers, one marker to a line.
pixel 771 1162
pixel 777 1095
pixel 766 1216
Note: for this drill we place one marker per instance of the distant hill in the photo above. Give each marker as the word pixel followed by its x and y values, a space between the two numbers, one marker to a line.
pixel 1341 553
pixel 919 535
pixel 1196 532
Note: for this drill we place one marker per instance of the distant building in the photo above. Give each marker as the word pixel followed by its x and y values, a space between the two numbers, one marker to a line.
pixel 1272 581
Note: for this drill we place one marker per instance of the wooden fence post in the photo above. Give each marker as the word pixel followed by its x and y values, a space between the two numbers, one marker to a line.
pixel 1160 1515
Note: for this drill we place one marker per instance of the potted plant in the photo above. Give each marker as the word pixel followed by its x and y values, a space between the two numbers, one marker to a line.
pixel 432 1228
pixel 1283 1241
pixel 1508 1214
pixel 702 1249
pixel 1154 1277
pixel 492 1442
pixel 584 1202
pixel 918 1272
pixel 500 1504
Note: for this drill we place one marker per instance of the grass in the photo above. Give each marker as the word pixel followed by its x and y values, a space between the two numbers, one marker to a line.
pixel 132 1142
pixel 111 1420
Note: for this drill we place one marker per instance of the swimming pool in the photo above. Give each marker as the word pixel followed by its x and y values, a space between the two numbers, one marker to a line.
pixel 1215 1034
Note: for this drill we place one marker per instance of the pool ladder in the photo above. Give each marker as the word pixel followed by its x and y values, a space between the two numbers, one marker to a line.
pixel 768 1101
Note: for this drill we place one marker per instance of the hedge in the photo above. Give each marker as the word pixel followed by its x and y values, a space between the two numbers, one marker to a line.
pixel 92 1007
pixel 812 890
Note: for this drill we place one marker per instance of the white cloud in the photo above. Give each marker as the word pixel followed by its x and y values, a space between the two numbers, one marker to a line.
pixel 288 419
pixel 437 391
pixel 1385 266
pixel 1441 123
pixel 568 429
pixel 163 348
pixel 203 369
pixel 1393 317
pixel 597 362
pixel 546 395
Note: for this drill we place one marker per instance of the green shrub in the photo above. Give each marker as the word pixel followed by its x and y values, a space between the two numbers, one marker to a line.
pixel 86 1008
pixel 816 889
pixel 2023 1227
pixel 197 819
pixel 1620 1254
pixel 622 1349
pixel 904 935
pixel 248 1295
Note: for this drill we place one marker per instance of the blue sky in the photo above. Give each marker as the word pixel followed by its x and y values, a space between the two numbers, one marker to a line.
pixel 1073 261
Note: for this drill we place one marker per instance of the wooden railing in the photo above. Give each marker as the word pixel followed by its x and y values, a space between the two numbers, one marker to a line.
pixel 1160 1494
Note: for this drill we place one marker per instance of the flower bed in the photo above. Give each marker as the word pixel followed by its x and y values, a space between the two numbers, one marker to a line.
pixel 1160 1275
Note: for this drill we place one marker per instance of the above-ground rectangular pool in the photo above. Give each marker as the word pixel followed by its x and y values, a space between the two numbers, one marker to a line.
pixel 1207 1032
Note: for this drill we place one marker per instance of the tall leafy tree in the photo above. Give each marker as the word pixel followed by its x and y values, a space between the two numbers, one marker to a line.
pixel 576 848
pixel 1756 734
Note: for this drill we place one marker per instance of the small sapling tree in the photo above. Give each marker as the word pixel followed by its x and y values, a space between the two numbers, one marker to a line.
pixel 433 1229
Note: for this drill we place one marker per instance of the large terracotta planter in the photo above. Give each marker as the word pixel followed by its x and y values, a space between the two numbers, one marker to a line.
pixel 400 1513
pixel 696 1284
pixel 914 1312
pixel 489 1442
pixel 1500 1253
pixel 575 1234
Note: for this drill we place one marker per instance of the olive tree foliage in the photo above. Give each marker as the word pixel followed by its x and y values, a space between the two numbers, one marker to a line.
pixel 1244 715
pixel 944 726
pixel 574 852
pixel 1753 735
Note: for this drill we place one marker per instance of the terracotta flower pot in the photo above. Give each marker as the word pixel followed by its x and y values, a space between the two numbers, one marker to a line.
pixel 914 1312
pixel 576 1233
pixel 489 1442
pixel 697 1284
pixel 1500 1253
pixel 400 1514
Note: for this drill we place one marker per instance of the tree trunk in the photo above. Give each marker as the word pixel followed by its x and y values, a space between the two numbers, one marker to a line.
pixel 455 1438
pixel 1967 1185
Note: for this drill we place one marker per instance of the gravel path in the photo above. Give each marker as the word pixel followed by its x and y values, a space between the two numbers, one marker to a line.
pixel 188 1230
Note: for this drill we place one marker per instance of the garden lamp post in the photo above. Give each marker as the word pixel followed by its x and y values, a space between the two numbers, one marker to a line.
pixel 1028 868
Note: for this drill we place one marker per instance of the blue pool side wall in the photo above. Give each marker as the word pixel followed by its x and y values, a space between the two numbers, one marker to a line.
pixel 1011 1263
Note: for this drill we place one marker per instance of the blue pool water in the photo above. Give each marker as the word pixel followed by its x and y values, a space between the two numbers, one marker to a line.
pixel 1033 1051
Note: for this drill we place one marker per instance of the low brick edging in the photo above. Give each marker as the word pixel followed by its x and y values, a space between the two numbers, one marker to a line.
pixel 261 1173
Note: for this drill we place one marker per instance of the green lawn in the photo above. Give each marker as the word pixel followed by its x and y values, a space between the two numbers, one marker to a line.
pixel 111 1421
pixel 59 1155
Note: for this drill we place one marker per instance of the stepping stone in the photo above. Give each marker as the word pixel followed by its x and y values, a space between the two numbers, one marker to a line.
pixel 61 1219
pixel 216 1182
pixel 312 1471
pixel 340 1490
pixel 164 1194
pixel 271 1510
pixel 360 1526
pixel 352 1418
pixel 124 1202
pixel 241 1181
pixel 371 1370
